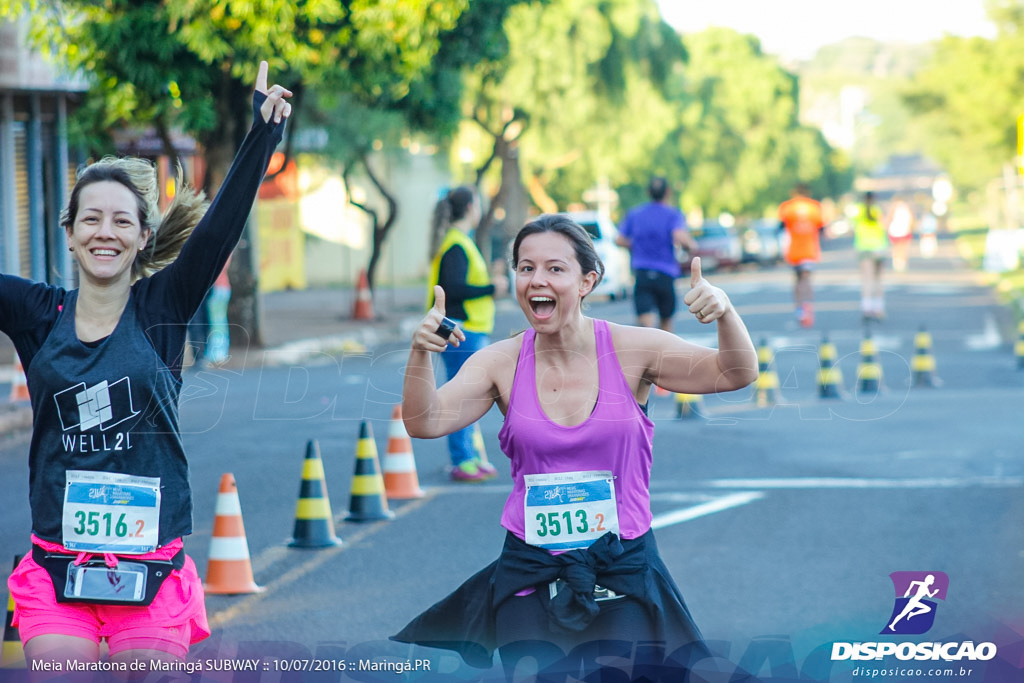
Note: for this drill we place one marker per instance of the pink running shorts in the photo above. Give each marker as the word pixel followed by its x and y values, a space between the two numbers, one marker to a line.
pixel 171 623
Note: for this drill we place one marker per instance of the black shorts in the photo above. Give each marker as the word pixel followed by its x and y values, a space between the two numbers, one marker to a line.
pixel 654 291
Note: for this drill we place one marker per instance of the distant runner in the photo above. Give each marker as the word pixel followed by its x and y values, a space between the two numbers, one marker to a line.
pixel 801 218
pixel 871 243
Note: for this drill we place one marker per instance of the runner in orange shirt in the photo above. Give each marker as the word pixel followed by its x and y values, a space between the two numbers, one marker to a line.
pixel 801 218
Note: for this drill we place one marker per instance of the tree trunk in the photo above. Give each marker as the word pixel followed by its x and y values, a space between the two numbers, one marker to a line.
pixel 244 312
pixel 221 145
pixel 380 230
pixel 511 199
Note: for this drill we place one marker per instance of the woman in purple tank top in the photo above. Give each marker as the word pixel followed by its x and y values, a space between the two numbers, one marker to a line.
pixel 580 567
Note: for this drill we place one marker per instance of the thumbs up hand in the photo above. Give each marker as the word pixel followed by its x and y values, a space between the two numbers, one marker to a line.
pixel 432 333
pixel 705 301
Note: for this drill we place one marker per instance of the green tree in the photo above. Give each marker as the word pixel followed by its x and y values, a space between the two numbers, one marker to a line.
pixel 191 63
pixel 876 74
pixel 365 129
pixel 739 146
pixel 578 98
pixel 968 98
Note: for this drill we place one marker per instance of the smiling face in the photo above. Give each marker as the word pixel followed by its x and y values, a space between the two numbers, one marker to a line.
pixel 549 281
pixel 106 234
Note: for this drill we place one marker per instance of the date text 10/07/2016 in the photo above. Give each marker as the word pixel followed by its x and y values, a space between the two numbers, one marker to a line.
pixel 199 665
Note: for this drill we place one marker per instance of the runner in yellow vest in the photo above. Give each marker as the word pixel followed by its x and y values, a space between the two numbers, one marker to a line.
pixel 462 272
pixel 872 245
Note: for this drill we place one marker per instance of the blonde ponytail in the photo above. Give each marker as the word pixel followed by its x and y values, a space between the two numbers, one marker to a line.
pixel 168 237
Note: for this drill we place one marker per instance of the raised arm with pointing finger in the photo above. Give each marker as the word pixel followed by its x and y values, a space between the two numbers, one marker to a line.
pixel 103 363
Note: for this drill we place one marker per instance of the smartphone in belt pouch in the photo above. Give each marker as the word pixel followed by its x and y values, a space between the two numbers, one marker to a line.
pixel 125 583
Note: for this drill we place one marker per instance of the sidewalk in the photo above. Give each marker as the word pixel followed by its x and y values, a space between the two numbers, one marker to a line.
pixel 295 325
pixel 299 323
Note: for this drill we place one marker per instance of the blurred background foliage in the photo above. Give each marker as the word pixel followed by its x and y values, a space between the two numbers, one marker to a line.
pixel 538 101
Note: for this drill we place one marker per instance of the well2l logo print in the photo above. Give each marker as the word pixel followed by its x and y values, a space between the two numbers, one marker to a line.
pixel 916 595
pixel 104 405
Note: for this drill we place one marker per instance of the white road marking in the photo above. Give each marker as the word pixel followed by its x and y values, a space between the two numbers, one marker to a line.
pixel 988 339
pixel 883 342
pixel 865 483
pixel 717 505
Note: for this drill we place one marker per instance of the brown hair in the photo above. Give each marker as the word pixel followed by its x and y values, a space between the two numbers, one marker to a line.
pixel 581 243
pixel 167 231
pixel 450 208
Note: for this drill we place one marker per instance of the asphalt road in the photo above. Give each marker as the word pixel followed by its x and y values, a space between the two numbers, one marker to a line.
pixel 781 520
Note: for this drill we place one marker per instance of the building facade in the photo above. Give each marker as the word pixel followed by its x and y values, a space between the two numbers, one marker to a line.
pixel 36 166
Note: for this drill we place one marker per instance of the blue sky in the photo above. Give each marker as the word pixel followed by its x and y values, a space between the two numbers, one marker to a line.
pixel 797 28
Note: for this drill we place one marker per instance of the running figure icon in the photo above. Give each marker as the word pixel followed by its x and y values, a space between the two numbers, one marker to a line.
pixel 915 606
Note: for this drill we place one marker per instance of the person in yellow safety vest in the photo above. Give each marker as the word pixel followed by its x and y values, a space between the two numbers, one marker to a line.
pixel 872 246
pixel 470 288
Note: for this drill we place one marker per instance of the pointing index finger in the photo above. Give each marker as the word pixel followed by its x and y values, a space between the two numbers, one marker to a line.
pixel 695 275
pixel 261 77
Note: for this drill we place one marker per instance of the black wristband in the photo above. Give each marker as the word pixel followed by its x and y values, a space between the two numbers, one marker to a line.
pixel 445 329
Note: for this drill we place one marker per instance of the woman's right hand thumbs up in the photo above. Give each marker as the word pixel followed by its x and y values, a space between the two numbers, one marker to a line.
pixel 433 332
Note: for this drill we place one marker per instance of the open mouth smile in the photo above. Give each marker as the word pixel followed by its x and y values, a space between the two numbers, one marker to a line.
pixel 542 306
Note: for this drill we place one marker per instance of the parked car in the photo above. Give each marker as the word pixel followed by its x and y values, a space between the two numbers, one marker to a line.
pixel 761 242
pixel 717 245
pixel 618 278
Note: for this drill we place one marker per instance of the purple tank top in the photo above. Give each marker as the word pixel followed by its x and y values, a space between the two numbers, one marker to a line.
pixel 616 436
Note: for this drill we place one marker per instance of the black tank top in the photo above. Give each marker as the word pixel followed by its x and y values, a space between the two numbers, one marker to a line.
pixel 106 407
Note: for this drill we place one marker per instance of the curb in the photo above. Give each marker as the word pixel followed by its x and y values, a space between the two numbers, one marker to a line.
pixel 355 342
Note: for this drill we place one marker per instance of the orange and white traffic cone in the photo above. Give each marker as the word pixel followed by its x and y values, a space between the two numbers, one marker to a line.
pixel 13 655
pixel 363 309
pixel 400 479
pixel 19 385
pixel 229 571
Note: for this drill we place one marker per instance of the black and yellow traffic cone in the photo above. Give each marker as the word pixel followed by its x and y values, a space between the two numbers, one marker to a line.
pixel 766 387
pixel 688 405
pixel 314 524
pixel 369 501
pixel 12 655
pixel 922 365
pixel 1018 348
pixel 830 377
pixel 869 372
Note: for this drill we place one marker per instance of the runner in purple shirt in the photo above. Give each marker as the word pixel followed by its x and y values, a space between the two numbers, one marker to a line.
pixel 652 232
